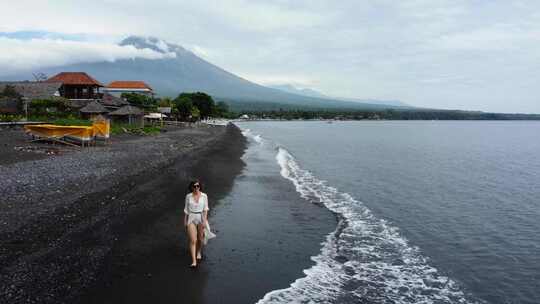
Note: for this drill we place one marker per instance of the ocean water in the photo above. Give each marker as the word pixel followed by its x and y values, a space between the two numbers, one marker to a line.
pixel 429 212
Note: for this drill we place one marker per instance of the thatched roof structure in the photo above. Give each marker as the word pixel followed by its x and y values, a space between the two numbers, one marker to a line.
pixel 33 90
pixel 109 100
pixel 93 107
pixel 128 110
pixel 78 104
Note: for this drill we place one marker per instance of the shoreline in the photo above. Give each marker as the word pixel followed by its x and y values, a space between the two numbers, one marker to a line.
pixel 151 263
pixel 70 234
pixel 267 236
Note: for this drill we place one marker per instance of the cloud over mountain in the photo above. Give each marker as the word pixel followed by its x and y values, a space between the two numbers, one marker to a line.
pixel 37 53
pixel 171 69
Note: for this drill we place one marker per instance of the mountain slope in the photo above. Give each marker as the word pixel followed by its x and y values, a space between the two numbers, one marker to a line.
pixel 312 93
pixel 186 72
pixel 294 90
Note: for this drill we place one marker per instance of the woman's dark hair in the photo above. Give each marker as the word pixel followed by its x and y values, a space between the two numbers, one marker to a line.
pixel 192 183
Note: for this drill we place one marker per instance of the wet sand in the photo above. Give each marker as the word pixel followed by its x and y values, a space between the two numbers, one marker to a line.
pixel 266 235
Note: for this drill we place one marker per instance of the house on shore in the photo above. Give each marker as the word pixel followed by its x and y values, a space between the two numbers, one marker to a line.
pixel 116 88
pixel 77 85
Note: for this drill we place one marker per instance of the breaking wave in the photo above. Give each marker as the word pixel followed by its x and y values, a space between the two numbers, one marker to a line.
pixel 255 137
pixel 365 260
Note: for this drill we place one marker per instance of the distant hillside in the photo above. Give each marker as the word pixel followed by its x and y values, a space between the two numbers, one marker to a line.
pixel 188 73
pixel 313 93
pixel 294 90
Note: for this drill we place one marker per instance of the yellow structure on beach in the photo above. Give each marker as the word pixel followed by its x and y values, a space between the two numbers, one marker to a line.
pixel 81 134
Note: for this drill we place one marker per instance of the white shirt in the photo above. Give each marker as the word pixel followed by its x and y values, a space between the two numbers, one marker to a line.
pixel 192 206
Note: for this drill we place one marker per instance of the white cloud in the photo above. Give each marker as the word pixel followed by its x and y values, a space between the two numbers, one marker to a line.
pixel 493 38
pixel 17 55
pixel 264 16
pixel 141 16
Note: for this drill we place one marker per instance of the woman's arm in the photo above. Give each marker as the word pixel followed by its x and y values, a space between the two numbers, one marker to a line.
pixel 186 202
pixel 205 211
pixel 205 217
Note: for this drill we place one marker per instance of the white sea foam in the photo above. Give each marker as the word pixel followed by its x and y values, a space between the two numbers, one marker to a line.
pixel 258 139
pixel 255 137
pixel 365 260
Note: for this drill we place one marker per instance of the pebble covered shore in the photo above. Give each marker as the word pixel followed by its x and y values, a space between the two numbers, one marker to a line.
pixel 60 216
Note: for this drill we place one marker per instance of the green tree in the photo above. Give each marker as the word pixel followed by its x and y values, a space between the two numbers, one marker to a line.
pixel 50 107
pixel 202 101
pixel 183 107
pixel 195 114
pixel 139 99
pixel 10 91
pixel 10 94
pixel 221 109
pixel 165 102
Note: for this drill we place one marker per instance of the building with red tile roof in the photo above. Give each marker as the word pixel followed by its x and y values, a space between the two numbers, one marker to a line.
pixel 76 85
pixel 116 88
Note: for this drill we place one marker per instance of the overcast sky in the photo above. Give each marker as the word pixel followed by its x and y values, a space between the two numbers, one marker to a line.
pixel 474 55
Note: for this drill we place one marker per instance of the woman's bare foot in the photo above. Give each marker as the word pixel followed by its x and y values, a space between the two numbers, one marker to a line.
pixel 193 265
pixel 199 256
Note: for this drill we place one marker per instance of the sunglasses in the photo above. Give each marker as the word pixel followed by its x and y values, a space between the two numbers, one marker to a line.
pixel 196 186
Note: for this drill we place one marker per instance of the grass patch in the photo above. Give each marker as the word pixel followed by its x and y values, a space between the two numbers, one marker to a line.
pixel 61 120
pixel 151 130
pixel 119 128
pixel 71 122
pixel 10 117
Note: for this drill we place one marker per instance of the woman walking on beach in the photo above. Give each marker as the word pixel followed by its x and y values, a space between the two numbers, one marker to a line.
pixel 195 219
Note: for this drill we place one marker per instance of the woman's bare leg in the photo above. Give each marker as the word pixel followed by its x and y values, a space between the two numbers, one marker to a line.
pixel 192 236
pixel 200 237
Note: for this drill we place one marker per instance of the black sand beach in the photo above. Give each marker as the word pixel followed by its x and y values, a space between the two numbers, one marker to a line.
pixel 14 147
pixel 72 223
pixel 104 225
pixel 150 263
